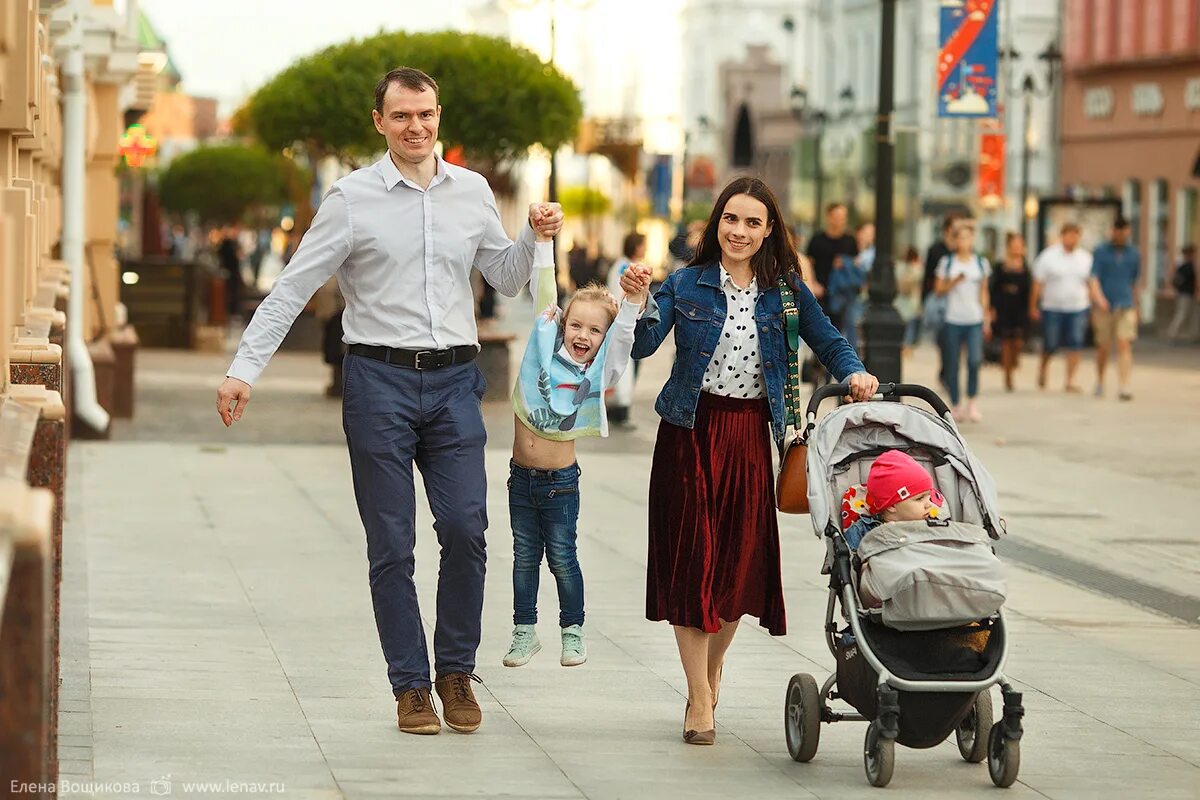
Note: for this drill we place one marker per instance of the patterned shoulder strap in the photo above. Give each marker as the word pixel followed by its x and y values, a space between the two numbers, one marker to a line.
pixel 791 329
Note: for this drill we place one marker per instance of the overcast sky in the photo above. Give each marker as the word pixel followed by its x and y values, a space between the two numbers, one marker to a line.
pixel 227 48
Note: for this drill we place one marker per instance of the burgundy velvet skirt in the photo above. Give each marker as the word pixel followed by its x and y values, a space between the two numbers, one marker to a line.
pixel 714 536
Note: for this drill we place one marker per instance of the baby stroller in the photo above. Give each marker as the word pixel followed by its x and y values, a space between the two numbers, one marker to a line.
pixel 914 687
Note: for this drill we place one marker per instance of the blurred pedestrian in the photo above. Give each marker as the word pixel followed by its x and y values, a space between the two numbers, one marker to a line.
pixel 1187 298
pixel 412 390
pixel 1115 286
pixel 828 249
pixel 229 256
pixel 329 305
pixel 1059 299
pixel 933 307
pixel 864 238
pixel 825 248
pixel 633 251
pixel 909 272
pixel 714 536
pixel 962 278
pixel 1009 292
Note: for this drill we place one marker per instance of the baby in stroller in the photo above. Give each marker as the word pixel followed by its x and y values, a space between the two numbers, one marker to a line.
pixel 898 489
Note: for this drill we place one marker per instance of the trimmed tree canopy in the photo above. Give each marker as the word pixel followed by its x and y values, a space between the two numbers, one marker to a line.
pixel 497 99
pixel 222 183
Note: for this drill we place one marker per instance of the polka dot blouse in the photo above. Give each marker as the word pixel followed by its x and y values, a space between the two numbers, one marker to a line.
pixel 736 367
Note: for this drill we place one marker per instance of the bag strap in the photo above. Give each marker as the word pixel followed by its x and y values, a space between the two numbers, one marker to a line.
pixel 792 415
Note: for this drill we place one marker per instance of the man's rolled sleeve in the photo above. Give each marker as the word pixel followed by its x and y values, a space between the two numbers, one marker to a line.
pixel 321 253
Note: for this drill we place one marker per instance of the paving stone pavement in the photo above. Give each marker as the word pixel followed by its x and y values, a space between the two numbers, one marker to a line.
pixel 218 625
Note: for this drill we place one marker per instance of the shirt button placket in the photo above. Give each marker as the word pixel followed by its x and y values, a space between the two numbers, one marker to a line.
pixel 431 296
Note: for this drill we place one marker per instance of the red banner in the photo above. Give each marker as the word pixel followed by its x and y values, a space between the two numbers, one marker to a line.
pixel 991 166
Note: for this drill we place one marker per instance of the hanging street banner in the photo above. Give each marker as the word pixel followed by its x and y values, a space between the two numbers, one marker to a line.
pixel 967 64
pixel 991 169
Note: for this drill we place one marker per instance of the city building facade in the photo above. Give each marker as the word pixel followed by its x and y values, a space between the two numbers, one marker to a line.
pixel 1131 122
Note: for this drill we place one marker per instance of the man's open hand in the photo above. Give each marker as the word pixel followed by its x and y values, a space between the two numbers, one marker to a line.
pixel 232 397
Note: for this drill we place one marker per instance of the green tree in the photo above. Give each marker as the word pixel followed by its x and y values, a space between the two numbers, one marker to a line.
pixel 499 100
pixel 584 202
pixel 221 184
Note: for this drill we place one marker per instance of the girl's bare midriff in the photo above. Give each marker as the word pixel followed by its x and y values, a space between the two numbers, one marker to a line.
pixel 533 452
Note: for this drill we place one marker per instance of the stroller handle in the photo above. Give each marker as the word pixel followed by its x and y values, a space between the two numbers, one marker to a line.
pixel 887 391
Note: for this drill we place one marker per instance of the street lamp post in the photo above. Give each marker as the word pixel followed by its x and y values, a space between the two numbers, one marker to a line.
pixel 883 328
pixel 1052 58
pixel 552 189
pixel 819 119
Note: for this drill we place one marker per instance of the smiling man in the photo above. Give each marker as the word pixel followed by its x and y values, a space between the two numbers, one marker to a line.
pixel 402 236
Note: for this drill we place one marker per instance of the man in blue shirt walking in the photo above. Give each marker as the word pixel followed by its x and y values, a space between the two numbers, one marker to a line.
pixel 1115 286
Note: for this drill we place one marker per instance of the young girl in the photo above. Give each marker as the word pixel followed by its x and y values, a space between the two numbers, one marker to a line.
pixel 1010 302
pixel 962 278
pixel 572 357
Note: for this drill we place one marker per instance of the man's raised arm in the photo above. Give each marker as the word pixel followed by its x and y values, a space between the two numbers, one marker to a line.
pixel 508 265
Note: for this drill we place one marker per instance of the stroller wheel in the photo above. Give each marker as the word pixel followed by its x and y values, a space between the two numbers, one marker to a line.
pixel 972 732
pixel 802 717
pixel 1004 757
pixel 879 756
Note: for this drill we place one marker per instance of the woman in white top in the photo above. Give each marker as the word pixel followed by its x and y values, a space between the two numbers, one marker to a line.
pixel 962 278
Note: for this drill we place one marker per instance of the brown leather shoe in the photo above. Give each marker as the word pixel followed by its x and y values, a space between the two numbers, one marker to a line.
pixel 415 714
pixel 458 701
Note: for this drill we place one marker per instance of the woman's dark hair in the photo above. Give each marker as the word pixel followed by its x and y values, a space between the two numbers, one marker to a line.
pixel 777 255
pixel 911 254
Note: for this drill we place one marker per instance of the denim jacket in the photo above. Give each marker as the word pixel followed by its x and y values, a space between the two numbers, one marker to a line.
pixel 691 301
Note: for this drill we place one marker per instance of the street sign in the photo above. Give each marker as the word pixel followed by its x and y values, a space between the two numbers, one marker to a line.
pixel 968 60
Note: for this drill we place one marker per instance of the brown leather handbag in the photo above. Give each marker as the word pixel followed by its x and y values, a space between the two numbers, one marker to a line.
pixel 791 486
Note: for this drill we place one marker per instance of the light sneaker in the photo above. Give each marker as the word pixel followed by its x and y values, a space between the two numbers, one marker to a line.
pixel 1125 395
pixel 573 651
pixel 525 645
pixel 1099 390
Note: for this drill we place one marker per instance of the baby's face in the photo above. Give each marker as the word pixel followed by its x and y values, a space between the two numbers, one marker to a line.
pixel 914 508
pixel 584 329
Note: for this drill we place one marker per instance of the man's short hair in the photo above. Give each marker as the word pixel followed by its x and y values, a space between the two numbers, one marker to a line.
pixel 632 242
pixel 1070 227
pixel 832 207
pixel 1121 224
pixel 409 78
pixel 1189 250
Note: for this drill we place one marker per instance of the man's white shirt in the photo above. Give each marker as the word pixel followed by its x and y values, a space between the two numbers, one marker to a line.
pixel 402 256
pixel 1064 277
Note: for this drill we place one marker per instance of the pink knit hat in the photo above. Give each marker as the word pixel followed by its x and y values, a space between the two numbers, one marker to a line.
pixel 895 476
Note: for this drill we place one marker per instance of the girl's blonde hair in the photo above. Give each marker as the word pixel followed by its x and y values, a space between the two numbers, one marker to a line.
pixel 593 293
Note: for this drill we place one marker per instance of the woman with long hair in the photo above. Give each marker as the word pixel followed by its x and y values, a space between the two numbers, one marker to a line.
pixel 962 278
pixel 713 534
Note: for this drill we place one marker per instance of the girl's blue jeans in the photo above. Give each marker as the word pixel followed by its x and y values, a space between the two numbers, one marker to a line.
pixel 953 339
pixel 543 506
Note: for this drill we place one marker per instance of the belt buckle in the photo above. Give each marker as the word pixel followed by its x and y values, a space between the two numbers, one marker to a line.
pixel 417 358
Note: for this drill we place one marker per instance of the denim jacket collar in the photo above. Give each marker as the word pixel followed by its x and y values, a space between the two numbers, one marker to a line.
pixel 711 276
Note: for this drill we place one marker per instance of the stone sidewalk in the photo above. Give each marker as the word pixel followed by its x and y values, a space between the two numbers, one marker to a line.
pixel 218 624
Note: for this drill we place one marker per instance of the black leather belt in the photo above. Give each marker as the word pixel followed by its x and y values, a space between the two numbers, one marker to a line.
pixel 416 359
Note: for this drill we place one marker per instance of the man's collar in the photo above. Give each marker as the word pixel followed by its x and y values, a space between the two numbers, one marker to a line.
pixel 391 173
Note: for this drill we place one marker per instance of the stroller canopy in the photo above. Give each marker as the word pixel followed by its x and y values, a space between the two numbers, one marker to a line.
pixel 846 441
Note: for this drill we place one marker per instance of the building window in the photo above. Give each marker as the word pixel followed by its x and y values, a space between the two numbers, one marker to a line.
pixel 1187 203
pixel 1158 246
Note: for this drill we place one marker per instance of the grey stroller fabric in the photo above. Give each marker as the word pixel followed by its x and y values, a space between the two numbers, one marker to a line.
pixel 857 427
pixel 930 575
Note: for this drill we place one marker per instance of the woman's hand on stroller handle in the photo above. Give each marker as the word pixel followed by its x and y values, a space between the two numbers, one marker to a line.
pixel 862 387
